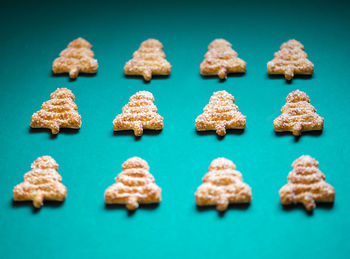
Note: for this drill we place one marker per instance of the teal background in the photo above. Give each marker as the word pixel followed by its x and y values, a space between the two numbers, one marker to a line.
pixel 32 35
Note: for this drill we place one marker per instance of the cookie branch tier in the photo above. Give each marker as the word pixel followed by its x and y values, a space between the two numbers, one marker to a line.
pixel 148 60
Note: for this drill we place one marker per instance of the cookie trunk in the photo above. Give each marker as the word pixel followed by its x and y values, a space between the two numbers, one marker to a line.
pixel 297 128
pixel 138 129
pixel 289 73
pixel 222 204
pixel 221 129
pixel 147 74
pixel 38 200
pixel 73 73
pixel 132 203
pixel 222 73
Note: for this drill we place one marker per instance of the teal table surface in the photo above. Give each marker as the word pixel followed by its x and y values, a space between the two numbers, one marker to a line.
pixel 32 35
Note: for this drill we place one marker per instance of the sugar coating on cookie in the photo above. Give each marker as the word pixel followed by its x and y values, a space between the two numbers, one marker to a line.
pixel 298 115
pixel 222 185
pixel 290 60
pixel 59 112
pixel 76 58
pixel 140 113
pixel 221 60
pixel 134 185
pixel 220 114
pixel 41 183
pixel 148 60
pixel 306 185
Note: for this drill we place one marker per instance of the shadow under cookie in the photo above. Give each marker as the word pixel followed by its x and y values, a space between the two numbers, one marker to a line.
pixel 154 77
pixel 67 131
pixel 213 132
pixel 281 76
pixel 314 133
pixel 147 132
pixel 231 206
pixel 47 203
pixel 150 206
pixel 52 74
pixel 208 77
pixel 299 206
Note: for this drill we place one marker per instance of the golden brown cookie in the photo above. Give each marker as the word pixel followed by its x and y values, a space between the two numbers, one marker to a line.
pixel 140 113
pixel 41 183
pixel 221 60
pixel 222 185
pixel 148 60
pixel 306 185
pixel 59 112
pixel 134 185
pixel 76 58
pixel 220 114
pixel 298 115
pixel 290 60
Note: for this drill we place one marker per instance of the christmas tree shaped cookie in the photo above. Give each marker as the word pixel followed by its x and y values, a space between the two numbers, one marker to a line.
pixel 298 115
pixel 59 112
pixel 220 114
pixel 222 185
pixel 290 60
pixel 306 185
pixel 134 185
pixel 140 113
pixel 76 58
pixel 148 60
pixel 41 183
pixel 221 60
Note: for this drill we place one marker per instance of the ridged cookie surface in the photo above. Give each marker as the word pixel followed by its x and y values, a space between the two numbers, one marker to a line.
pixel 306 185
pixel 148 60
pixel 59 112
pixel 77 57
pixel 220 114
pixel 222 185
pixel 140 113
pixel 298 115
pixel 290 60
pixel 134 185
pixel 43 182
pixel 221 60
